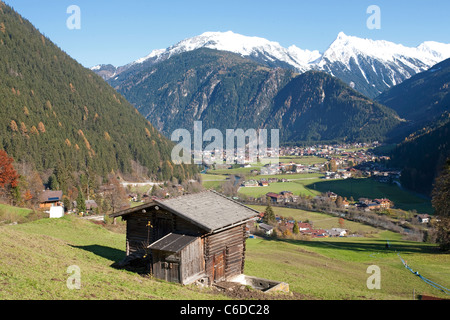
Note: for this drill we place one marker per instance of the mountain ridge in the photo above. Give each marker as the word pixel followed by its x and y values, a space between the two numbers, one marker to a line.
pixel 57 114
pixel 228 91
pixel 356 61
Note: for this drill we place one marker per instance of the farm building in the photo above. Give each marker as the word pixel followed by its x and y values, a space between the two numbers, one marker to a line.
pixel 189 238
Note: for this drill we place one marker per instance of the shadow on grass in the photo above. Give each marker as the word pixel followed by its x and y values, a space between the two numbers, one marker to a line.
pixel 109 253
pixel 368 188
pixel 371 245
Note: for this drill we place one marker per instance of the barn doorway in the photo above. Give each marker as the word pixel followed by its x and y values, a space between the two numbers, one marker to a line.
pixel 219 266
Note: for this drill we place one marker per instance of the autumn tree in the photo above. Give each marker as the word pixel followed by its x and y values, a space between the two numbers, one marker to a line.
pixel 41 127
pixel 9 179
pixel 339 202
pixel 117 196
pixel 13 126
pixel 341 223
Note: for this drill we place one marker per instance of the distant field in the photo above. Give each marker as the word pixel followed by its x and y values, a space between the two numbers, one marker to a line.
pixel 213 177
pixel 14 210
pixel 305 160
pixel 297 187
pixel 368 188
pixel 320 220
pixel 310 184
pixel 234 171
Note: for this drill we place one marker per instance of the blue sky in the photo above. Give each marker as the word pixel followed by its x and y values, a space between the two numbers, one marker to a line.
pixel 119 32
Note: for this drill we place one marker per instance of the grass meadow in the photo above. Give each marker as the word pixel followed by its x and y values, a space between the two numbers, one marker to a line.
pixel 35 257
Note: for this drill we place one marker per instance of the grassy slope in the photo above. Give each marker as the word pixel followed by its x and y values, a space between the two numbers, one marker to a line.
pixel 337 268
pixel 35 256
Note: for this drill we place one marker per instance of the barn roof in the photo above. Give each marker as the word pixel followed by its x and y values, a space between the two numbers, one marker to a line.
pixel 50 196
pixel 173 242
pixel 209 210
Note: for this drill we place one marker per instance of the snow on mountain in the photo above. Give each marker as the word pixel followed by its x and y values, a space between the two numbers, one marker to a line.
pixel 436 49
pixel 376 65
pixel 255 47
pixel 344 48
pixel 373 65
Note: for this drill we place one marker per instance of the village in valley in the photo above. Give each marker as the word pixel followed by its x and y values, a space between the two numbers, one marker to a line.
pixel 296 182
pixel 291 183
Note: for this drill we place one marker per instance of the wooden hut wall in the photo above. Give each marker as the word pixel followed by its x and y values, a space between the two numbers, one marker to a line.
pixel 228 248
pixel 192 261
pixel 138 233
pixel 166 266
pixel 179 267
pixel 146 228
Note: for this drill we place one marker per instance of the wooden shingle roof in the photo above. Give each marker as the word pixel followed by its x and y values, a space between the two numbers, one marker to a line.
pixel 50 196
pixel 172 242
pixel 208 210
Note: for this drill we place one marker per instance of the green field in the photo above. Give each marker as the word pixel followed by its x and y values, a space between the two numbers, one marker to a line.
pixel 212 181
pixel 320 220
pixel 297 187
pixel 336 268
pixel 368 188
pixel 305 160
pixel 35 257
pixel 9 214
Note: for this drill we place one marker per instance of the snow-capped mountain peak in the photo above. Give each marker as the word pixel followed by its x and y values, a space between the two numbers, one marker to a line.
pixel 246 46
pixel 373 65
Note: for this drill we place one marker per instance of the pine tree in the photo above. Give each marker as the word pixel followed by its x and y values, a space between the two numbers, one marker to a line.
pixel 53 183
pixel 81 204
pixel 441 194
pixel 295 229
pixel 269 215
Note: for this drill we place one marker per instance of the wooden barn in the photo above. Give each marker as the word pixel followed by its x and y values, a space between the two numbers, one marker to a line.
pixel 188 238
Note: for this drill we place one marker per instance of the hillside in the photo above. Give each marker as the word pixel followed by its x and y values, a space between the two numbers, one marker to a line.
pixel 422 155
pixel 219 88
pixel 227 91
pixel 318 107
pixel 421 99
pixel 35 257
pixel 54 112
pixel 423 140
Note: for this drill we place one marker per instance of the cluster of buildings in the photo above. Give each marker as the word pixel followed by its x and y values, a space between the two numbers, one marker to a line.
pixel 373 205
pixel 51 202
pixel 305 228
pixel 282 197
pixel 328 150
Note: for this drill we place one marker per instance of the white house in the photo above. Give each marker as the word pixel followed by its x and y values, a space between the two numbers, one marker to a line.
pixel 56 212
pixel 337 232
pixel 266 228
